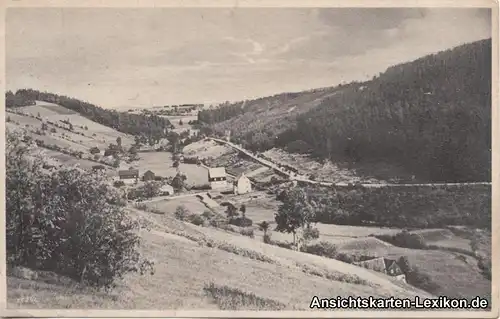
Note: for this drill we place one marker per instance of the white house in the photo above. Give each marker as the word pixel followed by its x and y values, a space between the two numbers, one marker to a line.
pixel 217 178
pixel 242 184
pixel 166 190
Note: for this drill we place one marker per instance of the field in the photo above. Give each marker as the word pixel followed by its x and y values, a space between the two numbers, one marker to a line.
pixel 85 134
pixel 193 204
pixel 455 276
pixel 206 149
pixel 161 163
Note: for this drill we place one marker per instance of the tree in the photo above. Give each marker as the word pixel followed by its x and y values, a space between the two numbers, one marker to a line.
pixel 176 164
pixel 180 122
pixel 243 210
pixel 69 221
pixel 150 189
pixel 231 211
pixel 181 212
pixel 310 233
pixel 133 150
pixel 264 226
pixel 119 141
pixel 296 211
pixel 178 182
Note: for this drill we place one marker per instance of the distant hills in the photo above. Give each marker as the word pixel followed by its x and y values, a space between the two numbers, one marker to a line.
pixel 431 115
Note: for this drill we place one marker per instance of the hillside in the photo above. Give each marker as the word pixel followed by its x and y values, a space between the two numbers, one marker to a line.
pixel 211 269
pixel 431 116
pixel 150 127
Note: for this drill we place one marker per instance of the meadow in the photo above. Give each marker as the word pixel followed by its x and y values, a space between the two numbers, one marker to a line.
pixel 227 274
pixel 161 164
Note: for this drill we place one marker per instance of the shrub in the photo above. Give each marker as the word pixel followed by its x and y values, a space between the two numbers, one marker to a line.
pixel 207 214
pixel 267 239
pixel 196 219
pixel 247 232
pixel 404 239
pixel 311 233
pixel 421 280
pixel 119 184
pixel 181 212
pixel 234 299
pixel 95 150
pixel 67 221
pixel 241 221
pixel 324 248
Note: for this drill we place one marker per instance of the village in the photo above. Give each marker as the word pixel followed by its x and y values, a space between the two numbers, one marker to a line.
pixel 222 192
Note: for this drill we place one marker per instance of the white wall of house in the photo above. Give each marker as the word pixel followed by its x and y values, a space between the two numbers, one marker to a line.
pixel 243 185
pixel 129 181
pixel 218 183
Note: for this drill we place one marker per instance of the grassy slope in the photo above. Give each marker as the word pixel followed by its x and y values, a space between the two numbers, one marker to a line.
pixel 271 111
pixel 96 135
pixel 184 268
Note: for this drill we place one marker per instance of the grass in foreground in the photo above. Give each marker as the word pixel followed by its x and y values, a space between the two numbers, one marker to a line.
pixel 233 299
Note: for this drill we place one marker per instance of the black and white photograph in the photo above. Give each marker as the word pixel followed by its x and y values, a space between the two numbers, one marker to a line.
pixel 242 159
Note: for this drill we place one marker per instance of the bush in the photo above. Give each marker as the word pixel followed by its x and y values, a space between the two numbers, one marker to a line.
pixel 95 150
pixel 421 280
pixel 311 233
pixel 181 212
pixel 67 221
pixel 267 239
pixel 247 232
pixel 207 214
pixel 228 298
pixel 241 221
pixel 119 184
pixel 323 248
pixel 196 219
pixel 405 239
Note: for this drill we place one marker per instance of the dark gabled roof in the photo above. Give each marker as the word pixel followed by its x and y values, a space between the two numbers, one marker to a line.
pixel 149 172
pixel 129 173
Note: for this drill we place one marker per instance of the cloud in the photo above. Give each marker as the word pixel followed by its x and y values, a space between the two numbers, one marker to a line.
pixel 177 55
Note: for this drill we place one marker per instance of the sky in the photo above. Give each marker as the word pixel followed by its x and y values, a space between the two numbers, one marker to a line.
pixel 128 57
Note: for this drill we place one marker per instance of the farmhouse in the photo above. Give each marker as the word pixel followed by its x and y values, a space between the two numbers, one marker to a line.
pixel 148 176
pixel 242 184
pixel 384 265
pixel 217 178
pixel 129 176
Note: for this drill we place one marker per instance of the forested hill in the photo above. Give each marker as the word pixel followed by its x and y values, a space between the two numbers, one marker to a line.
pixel 432 116
pixel 151 126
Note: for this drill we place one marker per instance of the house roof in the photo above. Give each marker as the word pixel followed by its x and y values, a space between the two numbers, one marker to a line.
pixel 149 172
pixel 237 178
pixel 374 264
pixel 129 172
pixel 217 172
pixel 380 264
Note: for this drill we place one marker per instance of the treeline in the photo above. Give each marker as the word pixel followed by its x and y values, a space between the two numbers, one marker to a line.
pixel 432 116
pixel 402 207
pixel 221 113
pixel 152 126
